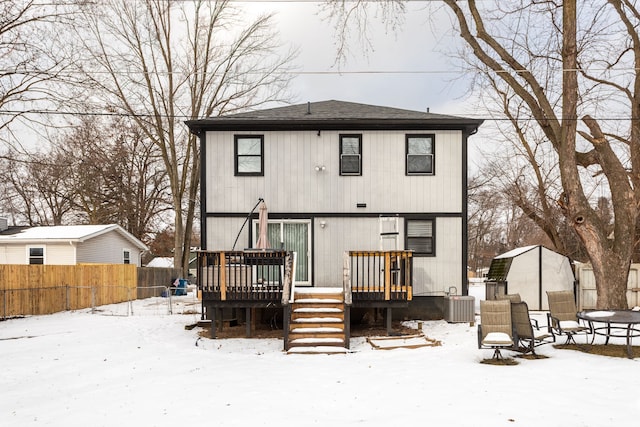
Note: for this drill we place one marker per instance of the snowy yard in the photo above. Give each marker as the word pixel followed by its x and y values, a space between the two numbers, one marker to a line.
pixel 78 368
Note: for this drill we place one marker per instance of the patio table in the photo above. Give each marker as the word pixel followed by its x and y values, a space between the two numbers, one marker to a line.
pixel 615 323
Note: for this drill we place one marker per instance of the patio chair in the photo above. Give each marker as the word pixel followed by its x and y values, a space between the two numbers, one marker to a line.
pixel 562 318
pixel 510 297
pixel 528 333
pixel 495 329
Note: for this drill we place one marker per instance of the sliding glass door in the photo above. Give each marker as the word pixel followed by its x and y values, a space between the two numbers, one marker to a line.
pixel 291 235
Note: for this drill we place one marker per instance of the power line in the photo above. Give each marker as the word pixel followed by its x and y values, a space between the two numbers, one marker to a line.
pixel 186 117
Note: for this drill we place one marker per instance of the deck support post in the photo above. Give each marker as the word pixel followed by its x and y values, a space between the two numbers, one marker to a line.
pixel 389 313
pixel 247 319
pixel 347 327
pixel 286 317
pixel 212 314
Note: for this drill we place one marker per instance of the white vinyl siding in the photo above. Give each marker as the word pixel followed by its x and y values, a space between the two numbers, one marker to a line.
pixel 433 276
pixel 337 236
pixel 292 183
pixel 54 253
pixel 106 248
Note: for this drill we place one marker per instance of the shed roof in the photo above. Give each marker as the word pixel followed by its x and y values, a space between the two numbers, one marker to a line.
pixel 515 252
pixel 66 233
pixel 334 115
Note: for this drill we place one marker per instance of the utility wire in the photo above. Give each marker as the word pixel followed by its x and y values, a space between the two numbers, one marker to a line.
pixel 185 117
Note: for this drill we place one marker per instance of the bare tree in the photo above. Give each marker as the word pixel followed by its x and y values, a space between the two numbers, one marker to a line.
pixel 581 70
pixel 114 174
pixel 162 62
pixel 36 191
pixel 30 57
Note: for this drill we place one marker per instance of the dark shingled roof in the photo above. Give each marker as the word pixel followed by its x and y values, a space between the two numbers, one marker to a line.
pixel 334 115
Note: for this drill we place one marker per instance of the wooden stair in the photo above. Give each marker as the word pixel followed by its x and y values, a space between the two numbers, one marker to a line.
pixel 318 324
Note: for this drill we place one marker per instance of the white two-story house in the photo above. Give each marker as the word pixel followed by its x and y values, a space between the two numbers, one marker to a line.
pixel 341 176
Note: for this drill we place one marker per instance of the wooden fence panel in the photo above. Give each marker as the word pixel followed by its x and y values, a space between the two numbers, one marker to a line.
pixel 45 289
pixel 151 279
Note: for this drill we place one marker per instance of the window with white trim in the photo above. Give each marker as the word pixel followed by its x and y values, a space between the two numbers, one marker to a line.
pixel 350 154
pixel 420 150
pixel 249 155
pixel 420 235
pixel 36 255
pixel 126 256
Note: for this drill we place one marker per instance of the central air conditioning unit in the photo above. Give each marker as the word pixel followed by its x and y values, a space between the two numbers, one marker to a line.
pixel 459 309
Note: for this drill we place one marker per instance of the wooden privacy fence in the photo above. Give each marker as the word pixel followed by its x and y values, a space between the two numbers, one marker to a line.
pixel 45 289
pixel 152 281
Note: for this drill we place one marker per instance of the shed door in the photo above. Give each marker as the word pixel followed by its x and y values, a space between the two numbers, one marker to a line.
pixel 291 235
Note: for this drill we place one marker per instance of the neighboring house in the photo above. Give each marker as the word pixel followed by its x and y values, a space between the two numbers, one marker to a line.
pixel 341 176
pixel 69 245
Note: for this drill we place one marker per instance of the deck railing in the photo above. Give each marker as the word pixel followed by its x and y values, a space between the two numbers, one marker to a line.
pixel 380 275
pixel 250 276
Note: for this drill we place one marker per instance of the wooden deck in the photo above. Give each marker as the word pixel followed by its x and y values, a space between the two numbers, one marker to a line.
pixel 254 279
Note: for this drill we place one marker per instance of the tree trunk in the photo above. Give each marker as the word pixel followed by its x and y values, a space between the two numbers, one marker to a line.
pixel 611 273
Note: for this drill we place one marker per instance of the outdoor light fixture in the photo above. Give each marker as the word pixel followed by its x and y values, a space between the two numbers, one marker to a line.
pixel 320 168
pixel 323 224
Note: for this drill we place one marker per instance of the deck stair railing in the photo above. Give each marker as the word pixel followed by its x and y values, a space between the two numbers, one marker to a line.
pixel 249 275
pixel 380 275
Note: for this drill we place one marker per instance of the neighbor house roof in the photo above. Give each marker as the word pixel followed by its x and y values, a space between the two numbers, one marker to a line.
pixel 66 233
pixel 161 262
pixel 334 115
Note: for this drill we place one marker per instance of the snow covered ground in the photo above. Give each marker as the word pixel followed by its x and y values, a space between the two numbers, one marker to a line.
pixel 145 369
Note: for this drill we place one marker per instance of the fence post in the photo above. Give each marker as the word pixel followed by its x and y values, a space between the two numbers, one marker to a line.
pixel 67 298
pixel 93 299
pixel 169 308
pixel 4 304
pixel 130 301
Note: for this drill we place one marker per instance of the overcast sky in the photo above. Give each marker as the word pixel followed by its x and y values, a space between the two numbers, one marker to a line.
pixel 406 69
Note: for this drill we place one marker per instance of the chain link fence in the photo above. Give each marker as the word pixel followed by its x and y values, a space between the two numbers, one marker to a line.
pixel 158 300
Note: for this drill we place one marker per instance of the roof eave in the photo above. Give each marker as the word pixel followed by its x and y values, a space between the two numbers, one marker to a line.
pixel 468 126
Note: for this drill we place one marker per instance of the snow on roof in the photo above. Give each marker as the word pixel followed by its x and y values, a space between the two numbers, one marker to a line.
pixel 161 262
pixel 77 233
pixel 515 252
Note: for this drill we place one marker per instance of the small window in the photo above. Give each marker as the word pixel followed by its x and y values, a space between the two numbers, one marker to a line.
pixel 249 155
pixel 420 154
pixel 420 236
pixel 36 256
pixel 350 154
pixel 126 257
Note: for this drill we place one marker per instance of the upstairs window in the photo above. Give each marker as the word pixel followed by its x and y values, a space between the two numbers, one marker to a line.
pixel 249 155
pixel 126 257
pixel 420 154
pixel 420 236
pixel 350 154
pixel 36 255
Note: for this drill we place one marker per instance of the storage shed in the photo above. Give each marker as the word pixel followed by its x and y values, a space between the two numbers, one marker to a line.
pixel 531 271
